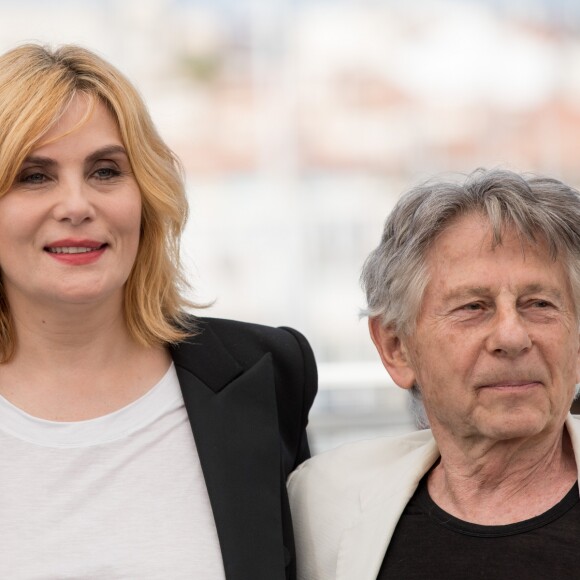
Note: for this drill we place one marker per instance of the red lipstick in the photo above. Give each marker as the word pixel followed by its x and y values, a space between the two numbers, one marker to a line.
pixel 75 252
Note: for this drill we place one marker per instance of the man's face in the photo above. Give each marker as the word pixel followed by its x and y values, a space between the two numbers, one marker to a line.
pixel 496 347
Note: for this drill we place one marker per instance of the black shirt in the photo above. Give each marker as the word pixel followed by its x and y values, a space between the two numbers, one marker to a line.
pixel 430 544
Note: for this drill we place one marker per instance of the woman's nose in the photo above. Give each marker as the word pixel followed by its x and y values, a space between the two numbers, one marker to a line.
pixel 73 202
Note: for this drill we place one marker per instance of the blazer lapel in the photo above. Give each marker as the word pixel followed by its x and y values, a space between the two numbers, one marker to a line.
pixel 364 544
pixel 573 427
pixel 234 421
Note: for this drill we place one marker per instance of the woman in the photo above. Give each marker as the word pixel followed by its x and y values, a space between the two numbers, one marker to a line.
pixel 135 441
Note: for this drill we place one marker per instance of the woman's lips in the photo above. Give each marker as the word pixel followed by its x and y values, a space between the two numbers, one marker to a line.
pixel 70 250
pixel 76 252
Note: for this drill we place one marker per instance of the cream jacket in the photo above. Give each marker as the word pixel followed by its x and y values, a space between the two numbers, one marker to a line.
pixel 346 503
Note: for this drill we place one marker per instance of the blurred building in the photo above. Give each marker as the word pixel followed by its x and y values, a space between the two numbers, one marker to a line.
pixel 299 123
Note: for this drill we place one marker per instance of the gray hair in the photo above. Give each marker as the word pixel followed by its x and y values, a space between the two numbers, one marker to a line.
pixel 395 275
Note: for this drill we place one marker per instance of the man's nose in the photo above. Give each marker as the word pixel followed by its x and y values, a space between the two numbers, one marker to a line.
pixel 509 335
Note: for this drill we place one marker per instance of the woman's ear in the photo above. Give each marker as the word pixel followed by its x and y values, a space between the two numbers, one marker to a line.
pixel 393 353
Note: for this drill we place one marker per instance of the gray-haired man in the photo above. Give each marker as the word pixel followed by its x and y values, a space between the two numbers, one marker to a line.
pixel 473 302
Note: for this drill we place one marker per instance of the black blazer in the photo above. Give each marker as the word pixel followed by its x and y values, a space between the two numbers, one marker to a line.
pixel 248 389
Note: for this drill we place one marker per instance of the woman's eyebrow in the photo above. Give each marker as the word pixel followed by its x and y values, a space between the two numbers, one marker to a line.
pixel 39 160
pixel 94 156
pixel 106 152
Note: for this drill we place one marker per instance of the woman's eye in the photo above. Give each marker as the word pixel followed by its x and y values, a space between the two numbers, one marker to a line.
pixel 105 173
pixel 33 178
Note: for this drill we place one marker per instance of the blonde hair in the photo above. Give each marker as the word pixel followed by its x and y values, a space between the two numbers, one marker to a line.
pixel 36 85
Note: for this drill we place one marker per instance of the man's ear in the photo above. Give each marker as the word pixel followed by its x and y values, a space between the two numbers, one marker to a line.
pixel 393 353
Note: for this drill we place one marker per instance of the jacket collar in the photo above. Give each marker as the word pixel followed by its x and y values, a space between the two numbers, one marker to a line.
pixel 233 415
pixel 363 546
pixel 383 499
pixel 206 357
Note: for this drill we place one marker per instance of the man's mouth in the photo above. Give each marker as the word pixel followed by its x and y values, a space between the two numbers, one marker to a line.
pixel 507 385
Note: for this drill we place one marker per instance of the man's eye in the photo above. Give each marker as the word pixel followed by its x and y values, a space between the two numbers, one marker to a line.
pixel 472 306
pixel 541 304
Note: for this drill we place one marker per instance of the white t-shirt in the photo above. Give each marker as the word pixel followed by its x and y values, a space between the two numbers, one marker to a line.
pixel 119 496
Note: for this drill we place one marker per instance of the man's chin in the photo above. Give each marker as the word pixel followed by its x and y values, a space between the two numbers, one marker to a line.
pixel 516 424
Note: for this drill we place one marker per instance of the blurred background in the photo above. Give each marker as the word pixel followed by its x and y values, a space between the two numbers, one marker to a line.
pixel 300 122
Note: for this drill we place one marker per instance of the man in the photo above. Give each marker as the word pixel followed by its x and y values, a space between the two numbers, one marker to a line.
pixel 473 303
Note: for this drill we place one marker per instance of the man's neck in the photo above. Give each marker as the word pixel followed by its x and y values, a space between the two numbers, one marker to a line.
pixel 503 482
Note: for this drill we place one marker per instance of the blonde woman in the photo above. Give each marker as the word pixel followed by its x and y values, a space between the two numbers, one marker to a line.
pixel 135 441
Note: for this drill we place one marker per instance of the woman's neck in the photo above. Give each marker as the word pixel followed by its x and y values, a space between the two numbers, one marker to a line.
pixel 78 363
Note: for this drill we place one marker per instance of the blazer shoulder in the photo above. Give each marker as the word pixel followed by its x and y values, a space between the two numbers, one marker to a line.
pixel 221 350
pixel 347 468
pixel 331 492
pixel 229 329
pixel 248 341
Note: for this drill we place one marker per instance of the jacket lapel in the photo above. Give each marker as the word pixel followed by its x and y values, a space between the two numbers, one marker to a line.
pixel 364 544
pixel 573 428
pixel 234 421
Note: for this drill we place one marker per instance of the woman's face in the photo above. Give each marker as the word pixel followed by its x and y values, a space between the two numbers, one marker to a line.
pixel 70 224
